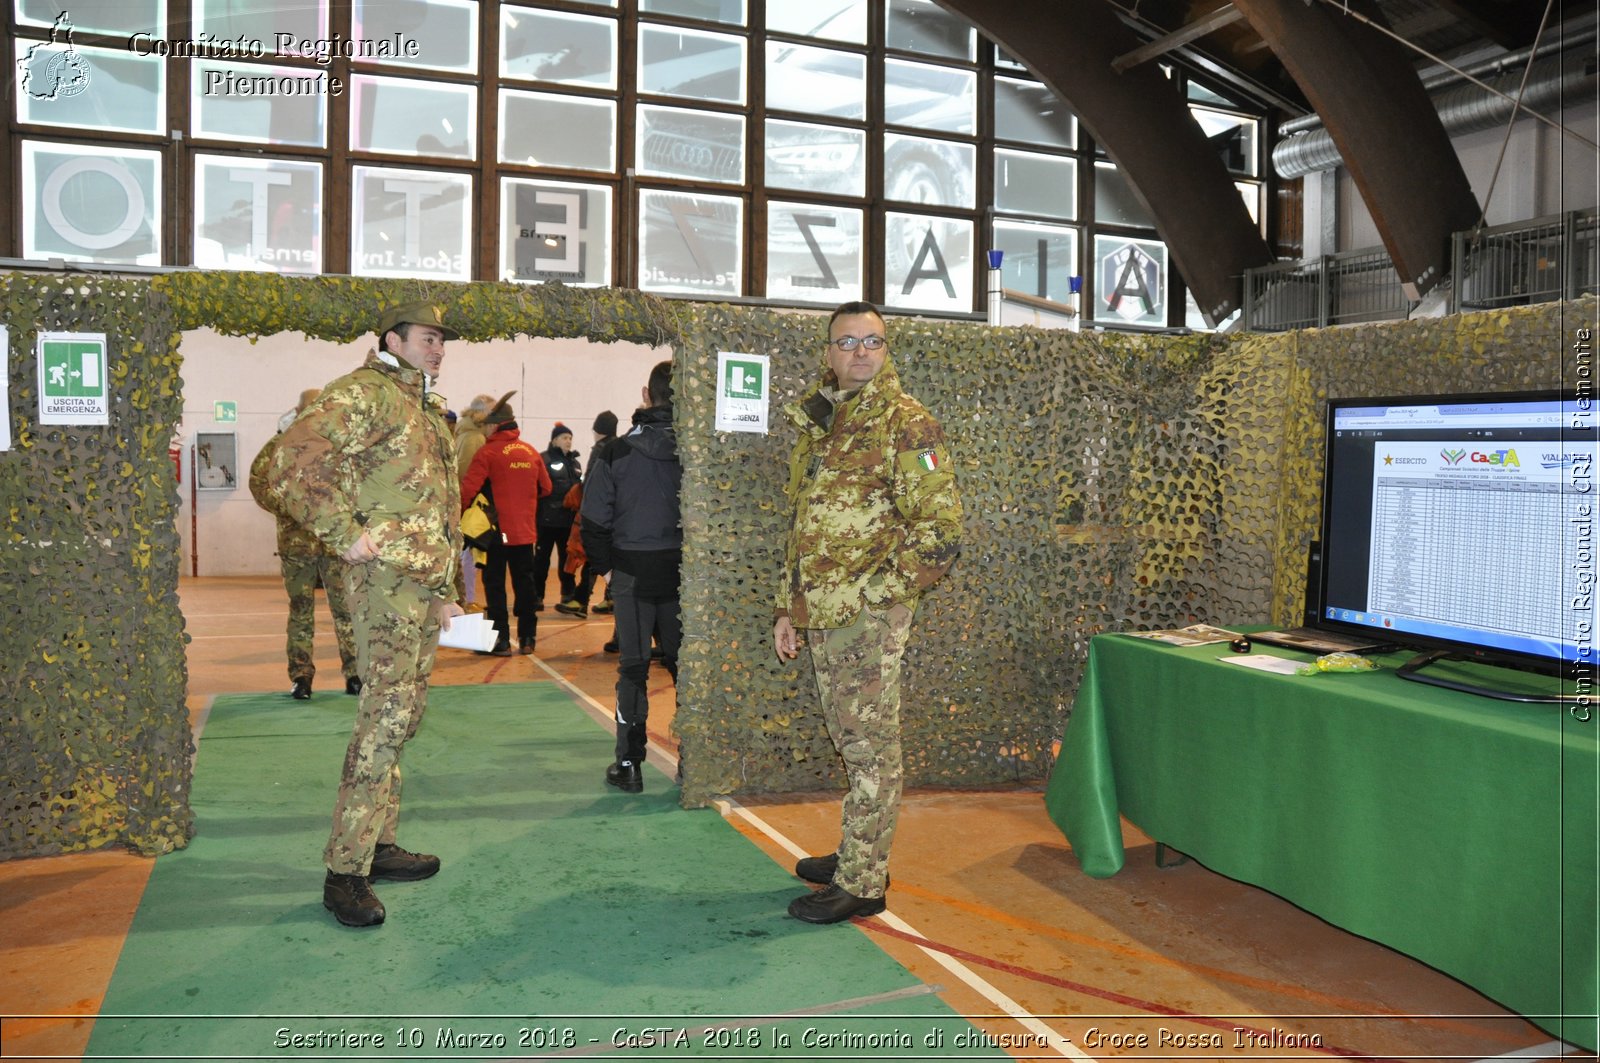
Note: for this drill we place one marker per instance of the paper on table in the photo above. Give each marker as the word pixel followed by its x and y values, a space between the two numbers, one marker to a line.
pixel 470 631
pixel 1266 662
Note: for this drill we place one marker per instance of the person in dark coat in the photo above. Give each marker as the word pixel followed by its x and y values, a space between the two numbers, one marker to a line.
pixel 555 520
pixel 632 530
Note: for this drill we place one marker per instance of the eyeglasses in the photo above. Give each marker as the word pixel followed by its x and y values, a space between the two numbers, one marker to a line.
pixel 850 343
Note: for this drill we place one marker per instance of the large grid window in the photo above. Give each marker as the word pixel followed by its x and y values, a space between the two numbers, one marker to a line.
pixel 786 151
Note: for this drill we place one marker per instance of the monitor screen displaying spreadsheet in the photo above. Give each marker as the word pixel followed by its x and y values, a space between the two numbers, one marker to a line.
pixel 1465 522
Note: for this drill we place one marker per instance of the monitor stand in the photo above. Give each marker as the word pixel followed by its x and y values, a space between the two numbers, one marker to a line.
pixel 1413 670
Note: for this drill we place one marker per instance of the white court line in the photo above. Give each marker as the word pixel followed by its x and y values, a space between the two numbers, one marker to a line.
pixel 986 989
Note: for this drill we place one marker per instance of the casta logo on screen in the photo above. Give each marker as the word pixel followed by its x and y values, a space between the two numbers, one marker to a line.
pixel 1452 457
pixel 1503 458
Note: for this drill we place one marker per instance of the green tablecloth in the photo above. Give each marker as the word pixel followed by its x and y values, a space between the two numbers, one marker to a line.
pixel 1458 829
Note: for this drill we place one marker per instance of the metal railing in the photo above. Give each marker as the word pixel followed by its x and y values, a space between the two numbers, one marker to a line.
pixel 1342 289
pixel 1538 261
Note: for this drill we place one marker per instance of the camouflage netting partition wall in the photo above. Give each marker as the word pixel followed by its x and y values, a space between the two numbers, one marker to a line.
pixel 94 736
pixel 1516 349
pixel 1111 482
pixel 95 742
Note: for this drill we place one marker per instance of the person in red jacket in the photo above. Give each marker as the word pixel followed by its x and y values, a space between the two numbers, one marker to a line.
pixel 512 474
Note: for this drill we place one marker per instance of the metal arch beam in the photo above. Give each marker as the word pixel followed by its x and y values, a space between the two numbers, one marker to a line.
pixel 1145 127
pixel 1364 88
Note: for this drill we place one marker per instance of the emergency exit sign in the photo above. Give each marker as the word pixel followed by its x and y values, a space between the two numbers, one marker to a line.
pixel 73 388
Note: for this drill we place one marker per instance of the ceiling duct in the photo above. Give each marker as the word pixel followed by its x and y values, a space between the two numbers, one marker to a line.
pixel 1463 108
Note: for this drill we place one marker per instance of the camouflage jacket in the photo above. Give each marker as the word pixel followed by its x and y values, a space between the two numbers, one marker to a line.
pixel 876 514
pixel 293 540
pixel 373 453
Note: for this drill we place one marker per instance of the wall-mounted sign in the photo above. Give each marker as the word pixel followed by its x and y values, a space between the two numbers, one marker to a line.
pixel 72 378
pixel 224 412
pixel 741 392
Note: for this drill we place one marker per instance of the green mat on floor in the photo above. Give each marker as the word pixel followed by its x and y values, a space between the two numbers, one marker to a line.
pixel 568 918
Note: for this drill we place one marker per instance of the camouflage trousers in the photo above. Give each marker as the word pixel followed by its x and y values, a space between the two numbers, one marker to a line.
pixel 300 575
pixel 858 678
pixel 397 633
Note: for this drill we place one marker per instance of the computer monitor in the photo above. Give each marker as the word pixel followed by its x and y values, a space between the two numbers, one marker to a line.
pixel 1466 525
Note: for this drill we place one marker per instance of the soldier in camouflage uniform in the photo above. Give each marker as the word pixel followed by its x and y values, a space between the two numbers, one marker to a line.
pixel 305 562
pixel 876 522
pixel 369 468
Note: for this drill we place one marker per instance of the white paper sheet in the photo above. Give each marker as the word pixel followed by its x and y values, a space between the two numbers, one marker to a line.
pixel 1265 662
pixel 470 631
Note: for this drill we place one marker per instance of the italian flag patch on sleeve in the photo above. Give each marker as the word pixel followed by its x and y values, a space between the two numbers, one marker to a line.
pixel 928 460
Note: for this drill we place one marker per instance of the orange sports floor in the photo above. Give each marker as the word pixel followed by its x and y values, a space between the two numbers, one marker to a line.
pixel 988 903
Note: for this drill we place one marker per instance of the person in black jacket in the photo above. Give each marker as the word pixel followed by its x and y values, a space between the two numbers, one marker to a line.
pixel 631 529
pixel 555 520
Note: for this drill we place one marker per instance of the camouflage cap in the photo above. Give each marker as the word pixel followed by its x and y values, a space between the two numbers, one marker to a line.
pixel 418 313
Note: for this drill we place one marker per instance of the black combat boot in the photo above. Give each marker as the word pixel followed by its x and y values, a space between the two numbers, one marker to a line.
pixel 626 776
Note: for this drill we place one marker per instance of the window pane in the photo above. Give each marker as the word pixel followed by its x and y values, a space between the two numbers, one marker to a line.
pixel 1250 192
pixel 1130 283
pixel 692 144
pixel 544 129
pixel 838 21
pixel 411 223
pixel 922 26
pixel 935 172
pixel 551 46
pixel 930 97
pixel 437 35
pixel 1030 112
pixel 928 263
pixel 814 254
pixel 306 22
pixel 90 203
pixel 277 118
pixel 1115 201
pixel 551 231
pixel 816 158
pixel 1199 92
pixel 1025 183
pixel 257 214
pixel 1039 259
pixel 818 81
pixel 691 63
pixel 690 243
pixel 413 117
pixel 91 88
pixel 729 11
pixel 1232 135
pixel 123 18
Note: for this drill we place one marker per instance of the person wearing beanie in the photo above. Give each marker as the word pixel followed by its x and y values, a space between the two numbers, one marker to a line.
pixel 555 520
pixel 512 475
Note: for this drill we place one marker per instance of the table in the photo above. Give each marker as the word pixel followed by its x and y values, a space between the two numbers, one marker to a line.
pixel 1455 828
